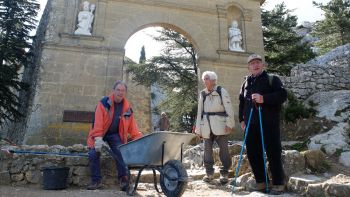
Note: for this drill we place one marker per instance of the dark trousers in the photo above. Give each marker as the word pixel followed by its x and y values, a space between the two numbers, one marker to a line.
pixel 113 140
pixel 222 141
pixel 273 151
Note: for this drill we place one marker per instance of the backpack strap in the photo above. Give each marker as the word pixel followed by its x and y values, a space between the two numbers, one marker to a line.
pixel 218 90
pixel 204 95
pixel 270 79
pixel 244 85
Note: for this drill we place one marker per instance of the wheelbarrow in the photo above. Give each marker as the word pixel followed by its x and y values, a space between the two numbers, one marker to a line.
pixel 161 151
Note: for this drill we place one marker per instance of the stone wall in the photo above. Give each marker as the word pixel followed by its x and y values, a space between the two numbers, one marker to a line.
pixel 325 73
pixel 20 169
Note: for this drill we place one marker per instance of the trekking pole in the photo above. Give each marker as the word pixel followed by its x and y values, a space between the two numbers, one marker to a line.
pixel 264 151
pixel 234 183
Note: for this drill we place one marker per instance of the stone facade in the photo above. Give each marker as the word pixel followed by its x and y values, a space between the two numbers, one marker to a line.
pixel 325 73
pixel 76 71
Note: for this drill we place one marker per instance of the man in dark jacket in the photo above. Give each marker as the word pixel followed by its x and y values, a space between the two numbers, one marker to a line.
pixel 266 91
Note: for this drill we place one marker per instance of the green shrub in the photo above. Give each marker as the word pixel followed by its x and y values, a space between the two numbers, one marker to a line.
pixel 338 112
pixel 338 152
pixel 294 109
pixel 300 146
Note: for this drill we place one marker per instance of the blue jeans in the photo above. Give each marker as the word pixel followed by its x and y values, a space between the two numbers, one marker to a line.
pixel 113 140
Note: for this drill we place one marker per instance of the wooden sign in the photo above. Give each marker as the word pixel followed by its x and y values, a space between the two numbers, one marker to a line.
pixel 77 116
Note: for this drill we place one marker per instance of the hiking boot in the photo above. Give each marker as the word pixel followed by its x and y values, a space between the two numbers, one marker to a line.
pixel 259 187
pixel 223 179
pixel 94 186
pixel 208 178
pixel 124 183
pixel 277 190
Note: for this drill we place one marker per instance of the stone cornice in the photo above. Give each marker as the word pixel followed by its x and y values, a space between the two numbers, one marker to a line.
pixel 81 37
pixel 83 48
pixel 158 3
pixel 227 59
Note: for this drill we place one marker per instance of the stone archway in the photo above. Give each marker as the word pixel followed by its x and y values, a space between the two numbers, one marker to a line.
pixel 77 70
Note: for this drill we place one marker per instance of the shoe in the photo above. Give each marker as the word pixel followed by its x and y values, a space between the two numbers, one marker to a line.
pixel 208 178
pixel 277 190
pixel 259 187
pixel 94 186
pixel 124 183
pixel 223 179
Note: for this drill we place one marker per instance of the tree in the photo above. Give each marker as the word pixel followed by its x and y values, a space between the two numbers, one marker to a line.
pixel 175 72
pixel 142 55
pixel 17 19
pixel 281 43
pixel 334 30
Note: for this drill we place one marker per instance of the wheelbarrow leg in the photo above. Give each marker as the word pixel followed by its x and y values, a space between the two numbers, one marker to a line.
pixel 155 180
pixel 132 192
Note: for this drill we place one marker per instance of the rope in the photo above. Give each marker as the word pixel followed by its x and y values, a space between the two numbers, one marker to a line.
pixel 47 153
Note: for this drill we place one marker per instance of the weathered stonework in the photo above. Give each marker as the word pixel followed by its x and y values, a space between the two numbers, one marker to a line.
pixel 76 71
pixel 325 73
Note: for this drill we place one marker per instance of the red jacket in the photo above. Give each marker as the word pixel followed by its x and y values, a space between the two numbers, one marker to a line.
pixel 104 114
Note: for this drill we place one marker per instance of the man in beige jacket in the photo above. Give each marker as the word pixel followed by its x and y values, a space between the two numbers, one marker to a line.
pixel 214 123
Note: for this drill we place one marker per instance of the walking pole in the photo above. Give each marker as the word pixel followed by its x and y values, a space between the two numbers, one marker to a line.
pixel 263 147
pixel 242 149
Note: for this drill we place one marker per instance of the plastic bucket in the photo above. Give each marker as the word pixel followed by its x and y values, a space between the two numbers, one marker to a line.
pixel 55 177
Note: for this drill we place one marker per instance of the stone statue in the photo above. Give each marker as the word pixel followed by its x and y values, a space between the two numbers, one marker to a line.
pixel 85 19
pixel 235 37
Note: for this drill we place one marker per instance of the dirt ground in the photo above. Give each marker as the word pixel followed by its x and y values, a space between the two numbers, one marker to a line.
pixel 9 191
pixel 35 191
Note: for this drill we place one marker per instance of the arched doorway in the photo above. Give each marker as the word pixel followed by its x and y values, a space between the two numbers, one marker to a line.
pixel 169 78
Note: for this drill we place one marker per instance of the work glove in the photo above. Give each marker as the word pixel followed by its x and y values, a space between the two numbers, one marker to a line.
pixel 98 144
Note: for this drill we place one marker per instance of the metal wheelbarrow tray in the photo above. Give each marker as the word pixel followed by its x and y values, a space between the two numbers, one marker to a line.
pixel 161 151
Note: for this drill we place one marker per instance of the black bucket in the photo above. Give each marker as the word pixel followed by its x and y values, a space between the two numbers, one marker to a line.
pixel 55 177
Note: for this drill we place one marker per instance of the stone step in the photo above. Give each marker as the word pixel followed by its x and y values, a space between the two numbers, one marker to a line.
pixel 299 183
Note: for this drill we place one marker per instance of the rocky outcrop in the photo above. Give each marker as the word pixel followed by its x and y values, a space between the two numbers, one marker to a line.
pixel 333 141
pixel 344 159
pixel 334 106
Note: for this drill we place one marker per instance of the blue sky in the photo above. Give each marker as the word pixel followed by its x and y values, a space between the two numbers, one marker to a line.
pixel 304 9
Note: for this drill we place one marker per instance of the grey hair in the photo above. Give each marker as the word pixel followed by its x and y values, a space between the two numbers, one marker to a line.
pixel 211 74
pixel 120 82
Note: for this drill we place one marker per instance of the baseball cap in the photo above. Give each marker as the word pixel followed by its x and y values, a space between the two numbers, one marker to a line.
pixel 253 57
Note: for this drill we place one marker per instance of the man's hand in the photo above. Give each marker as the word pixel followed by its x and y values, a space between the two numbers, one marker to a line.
pixel 98 144
pixel 243 125
pixel 228 129
pixel 258 98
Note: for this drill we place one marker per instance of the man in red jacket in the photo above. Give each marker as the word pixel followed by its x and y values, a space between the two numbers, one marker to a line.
pixel 114 122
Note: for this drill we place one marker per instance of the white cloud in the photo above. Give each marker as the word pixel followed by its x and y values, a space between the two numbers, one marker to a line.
pixel 303 9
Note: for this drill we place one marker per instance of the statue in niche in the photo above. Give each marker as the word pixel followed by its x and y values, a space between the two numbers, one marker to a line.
pixel 235 37
pixel 85 19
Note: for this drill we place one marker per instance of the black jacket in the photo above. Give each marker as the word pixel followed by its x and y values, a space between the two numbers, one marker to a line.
pixel 274 95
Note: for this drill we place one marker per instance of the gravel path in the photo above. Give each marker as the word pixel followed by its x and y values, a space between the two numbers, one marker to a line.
pixel 35 191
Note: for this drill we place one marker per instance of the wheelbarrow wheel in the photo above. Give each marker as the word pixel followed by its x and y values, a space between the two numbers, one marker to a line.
pixel 173 178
